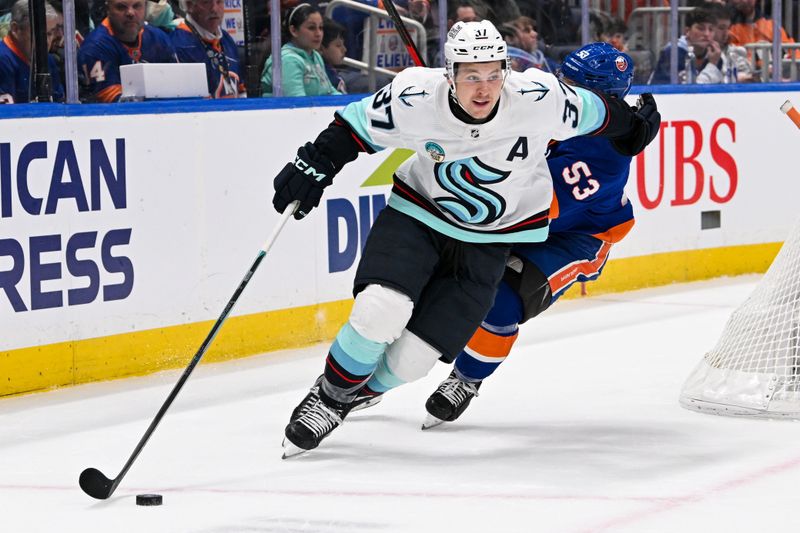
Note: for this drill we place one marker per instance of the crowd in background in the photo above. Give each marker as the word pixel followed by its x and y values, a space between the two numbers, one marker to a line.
pixel 712 48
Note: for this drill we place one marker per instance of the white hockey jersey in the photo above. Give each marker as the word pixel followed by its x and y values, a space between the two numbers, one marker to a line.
pixel 475 182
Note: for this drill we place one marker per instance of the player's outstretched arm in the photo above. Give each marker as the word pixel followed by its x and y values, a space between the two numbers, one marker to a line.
pixel 313 169
pixel 630 128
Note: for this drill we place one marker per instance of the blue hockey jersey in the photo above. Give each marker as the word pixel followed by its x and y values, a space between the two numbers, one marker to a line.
pixel 589 179
pixel 101 55
pixel 220 56
pixel 15 73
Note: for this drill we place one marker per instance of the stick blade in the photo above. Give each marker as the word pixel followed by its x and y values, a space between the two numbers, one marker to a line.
pixel 95 484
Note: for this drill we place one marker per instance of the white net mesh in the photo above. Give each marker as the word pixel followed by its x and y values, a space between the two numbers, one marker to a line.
pixel 754 370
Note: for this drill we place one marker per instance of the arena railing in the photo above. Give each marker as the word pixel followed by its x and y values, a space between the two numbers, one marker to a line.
pixel 762 58
pixel 374 14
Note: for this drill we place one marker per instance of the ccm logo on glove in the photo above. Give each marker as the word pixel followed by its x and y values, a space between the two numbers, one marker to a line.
pixel 308 170
pixel 303 180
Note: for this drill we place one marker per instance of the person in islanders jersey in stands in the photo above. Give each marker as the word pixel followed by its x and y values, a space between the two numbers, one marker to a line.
pixel 121 39
pixel 201 39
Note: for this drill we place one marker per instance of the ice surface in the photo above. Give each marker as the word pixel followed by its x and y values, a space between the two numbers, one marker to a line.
pixel 579 431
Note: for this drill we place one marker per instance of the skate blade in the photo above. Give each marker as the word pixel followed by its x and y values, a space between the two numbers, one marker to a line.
pixel 290 450
pixel 369 403
pixel 431 422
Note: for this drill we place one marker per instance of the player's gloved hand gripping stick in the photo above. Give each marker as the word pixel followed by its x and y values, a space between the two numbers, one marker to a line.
pixel 95 483
pixel 303 181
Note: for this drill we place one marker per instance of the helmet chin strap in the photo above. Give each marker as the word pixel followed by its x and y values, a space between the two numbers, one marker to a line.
pixel 454 96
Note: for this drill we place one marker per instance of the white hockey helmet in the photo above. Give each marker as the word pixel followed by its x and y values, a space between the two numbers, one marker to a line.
pixel 474 42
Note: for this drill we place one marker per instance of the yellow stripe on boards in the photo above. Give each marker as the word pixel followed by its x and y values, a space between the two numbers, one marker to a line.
pixel 143 352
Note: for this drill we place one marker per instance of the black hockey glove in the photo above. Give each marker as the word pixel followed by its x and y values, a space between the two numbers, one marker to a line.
pixel 646 124
pixel 303 180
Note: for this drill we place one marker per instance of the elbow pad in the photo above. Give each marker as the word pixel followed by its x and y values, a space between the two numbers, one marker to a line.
pixel 338 144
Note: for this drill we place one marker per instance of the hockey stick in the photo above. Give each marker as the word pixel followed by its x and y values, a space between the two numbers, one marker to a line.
pixel 790 111
pixel 92 481
pixel 404 35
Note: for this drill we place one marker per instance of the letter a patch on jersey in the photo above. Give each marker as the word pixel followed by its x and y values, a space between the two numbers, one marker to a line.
pixel 520 149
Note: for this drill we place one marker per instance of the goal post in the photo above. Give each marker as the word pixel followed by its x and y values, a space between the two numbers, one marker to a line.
pixel 754 369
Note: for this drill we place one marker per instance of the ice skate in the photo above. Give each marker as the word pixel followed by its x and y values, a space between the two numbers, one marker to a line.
pixel 316 423
pixel 363 401
pixel 290 450
pixel 311 399
pixel 449 400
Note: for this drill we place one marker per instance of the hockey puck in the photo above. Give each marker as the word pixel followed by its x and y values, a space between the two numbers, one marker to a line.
pixel 149 499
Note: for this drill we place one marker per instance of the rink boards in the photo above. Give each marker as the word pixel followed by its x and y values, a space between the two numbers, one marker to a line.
pixel 124 230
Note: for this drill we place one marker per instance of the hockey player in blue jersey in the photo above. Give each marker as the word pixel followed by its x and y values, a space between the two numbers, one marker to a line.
pixel 477 183
pixel 121 39
pixel 591 213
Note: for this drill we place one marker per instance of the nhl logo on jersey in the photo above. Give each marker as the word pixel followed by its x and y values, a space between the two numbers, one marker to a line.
pixel 621 63
pixel 475 133
pixel 435 151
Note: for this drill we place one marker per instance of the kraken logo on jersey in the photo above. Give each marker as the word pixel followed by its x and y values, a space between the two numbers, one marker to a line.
pixel 463 178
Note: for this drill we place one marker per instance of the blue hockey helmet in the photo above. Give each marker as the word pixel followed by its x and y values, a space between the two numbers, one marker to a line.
pixel 599 66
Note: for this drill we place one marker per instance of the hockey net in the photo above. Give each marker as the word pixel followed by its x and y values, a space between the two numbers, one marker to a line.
pixel 754 370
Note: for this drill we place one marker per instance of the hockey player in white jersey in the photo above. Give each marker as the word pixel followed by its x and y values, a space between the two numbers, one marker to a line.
pixel 477 182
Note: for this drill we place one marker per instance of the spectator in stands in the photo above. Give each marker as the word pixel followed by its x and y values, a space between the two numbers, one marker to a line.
pixel 519 59
pixel 201 39
pixel 751 26
pixel 121 39
pixel 303 70
pixel 468 11
pixel 699 55
pixel 353 22
pixel 56 39
pixel 613 33
pixel 333 52
pixel 344 78
pixel 526 31
pixel 529 42
pixel 15 54
pixel 735 65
